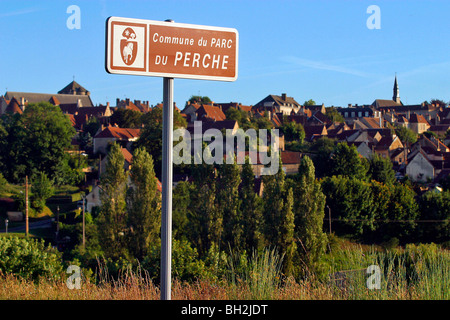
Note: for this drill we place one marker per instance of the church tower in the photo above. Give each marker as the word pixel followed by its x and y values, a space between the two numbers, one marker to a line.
pixel 396 96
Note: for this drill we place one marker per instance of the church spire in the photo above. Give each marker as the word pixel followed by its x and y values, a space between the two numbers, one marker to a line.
pixel 396 96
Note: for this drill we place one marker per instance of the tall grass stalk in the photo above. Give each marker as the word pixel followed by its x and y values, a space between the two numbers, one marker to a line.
pixel 257 277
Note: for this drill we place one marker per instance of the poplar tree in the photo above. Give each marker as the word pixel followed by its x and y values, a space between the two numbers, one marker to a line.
pixel 251 210
pixel 228 203
pixel 309 206
pixel 278 215
pixel 205 223
pixel 143 205
pixel 113 215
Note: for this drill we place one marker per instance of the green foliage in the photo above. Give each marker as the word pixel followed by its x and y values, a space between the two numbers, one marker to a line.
pixel 309 206
pixel 143 204
pixel 332 114
pixel 34 141
pixel 29 258
pixel 151 135
pixel 228 204
pixel 380 169
pixel 41 189
pixel 322 149
pixel 406 135
pixel 293 131
pixel 251 210
pixel 181 203
pixel 261 272
pixel 3 183
pixel 435 206
pixel 309 102
pixel 345 161
pixel 278 215
pixel 113 217
pixel 186 264
pixel 200 99
pixel 126 118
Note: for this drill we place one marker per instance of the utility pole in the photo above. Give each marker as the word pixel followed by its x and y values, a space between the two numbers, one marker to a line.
pixel 329 216
pixel 84 233
pixel 26 207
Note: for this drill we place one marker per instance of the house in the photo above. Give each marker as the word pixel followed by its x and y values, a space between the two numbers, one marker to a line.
pixel 313 132
pixel 10 106
pixel 420 168
pixel 353 112
pixel 387 145
pixel 110 134
pixel 290 161
pixel 362 147
pixel 191 111
pixel 209 113
pixel 275 103
pixel 418 124
pixel 137 105
pixel 72 94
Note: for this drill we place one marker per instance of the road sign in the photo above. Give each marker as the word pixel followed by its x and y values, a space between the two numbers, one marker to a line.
pixel 172 50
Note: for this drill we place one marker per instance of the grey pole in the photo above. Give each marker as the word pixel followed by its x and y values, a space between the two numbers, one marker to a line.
pixel 166 216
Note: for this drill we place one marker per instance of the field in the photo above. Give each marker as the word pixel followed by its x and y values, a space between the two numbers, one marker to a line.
pixel 417 272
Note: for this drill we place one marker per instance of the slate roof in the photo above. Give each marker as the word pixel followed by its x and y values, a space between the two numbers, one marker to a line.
pixel 73 88
pixel 32 97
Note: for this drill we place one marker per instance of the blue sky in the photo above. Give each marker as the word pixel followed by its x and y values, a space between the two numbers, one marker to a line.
pixel 320 50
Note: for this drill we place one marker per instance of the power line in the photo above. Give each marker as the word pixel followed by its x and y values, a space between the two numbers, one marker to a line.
pixel 387 220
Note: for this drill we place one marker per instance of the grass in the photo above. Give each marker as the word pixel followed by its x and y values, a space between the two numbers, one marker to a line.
pixel 413 273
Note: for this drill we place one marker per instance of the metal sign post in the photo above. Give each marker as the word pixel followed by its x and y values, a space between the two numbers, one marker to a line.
pixel 170 50
pixel 167 166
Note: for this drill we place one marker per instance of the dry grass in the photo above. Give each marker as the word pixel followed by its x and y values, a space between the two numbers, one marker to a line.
pixel 132 288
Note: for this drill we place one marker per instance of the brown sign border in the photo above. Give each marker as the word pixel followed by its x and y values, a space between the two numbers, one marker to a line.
pixel 144 71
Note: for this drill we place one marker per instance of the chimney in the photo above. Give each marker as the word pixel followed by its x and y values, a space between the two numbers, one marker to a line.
pixel 117 102
pixel 349 105
pixel 283 96
pixel 127 100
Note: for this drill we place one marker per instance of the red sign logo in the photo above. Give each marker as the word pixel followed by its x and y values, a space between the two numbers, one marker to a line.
pixel 128 46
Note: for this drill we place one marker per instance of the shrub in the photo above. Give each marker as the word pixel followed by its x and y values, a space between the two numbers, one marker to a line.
pixel 29 258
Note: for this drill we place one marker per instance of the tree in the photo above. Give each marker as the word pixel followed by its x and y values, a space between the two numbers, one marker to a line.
pixel 403 210
pixel 181 202
pixel 228 203
pixel 406 135
pixel 279 216
pixel 240 116
pixel 435 206
pixel 41 190
pixel 143 205
pixel 322 148
pixel 127 118
pixel 34 141
pixel 380 169
pixel 332 114
pixel 205 222
pixel 309 205
pixel 251 209
pixel 113 215
pixel 309 102
pixel 200 99
pixel 293 131
pixel 49 133
pixel 346 161
pixel 351 202
pixel 151 135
